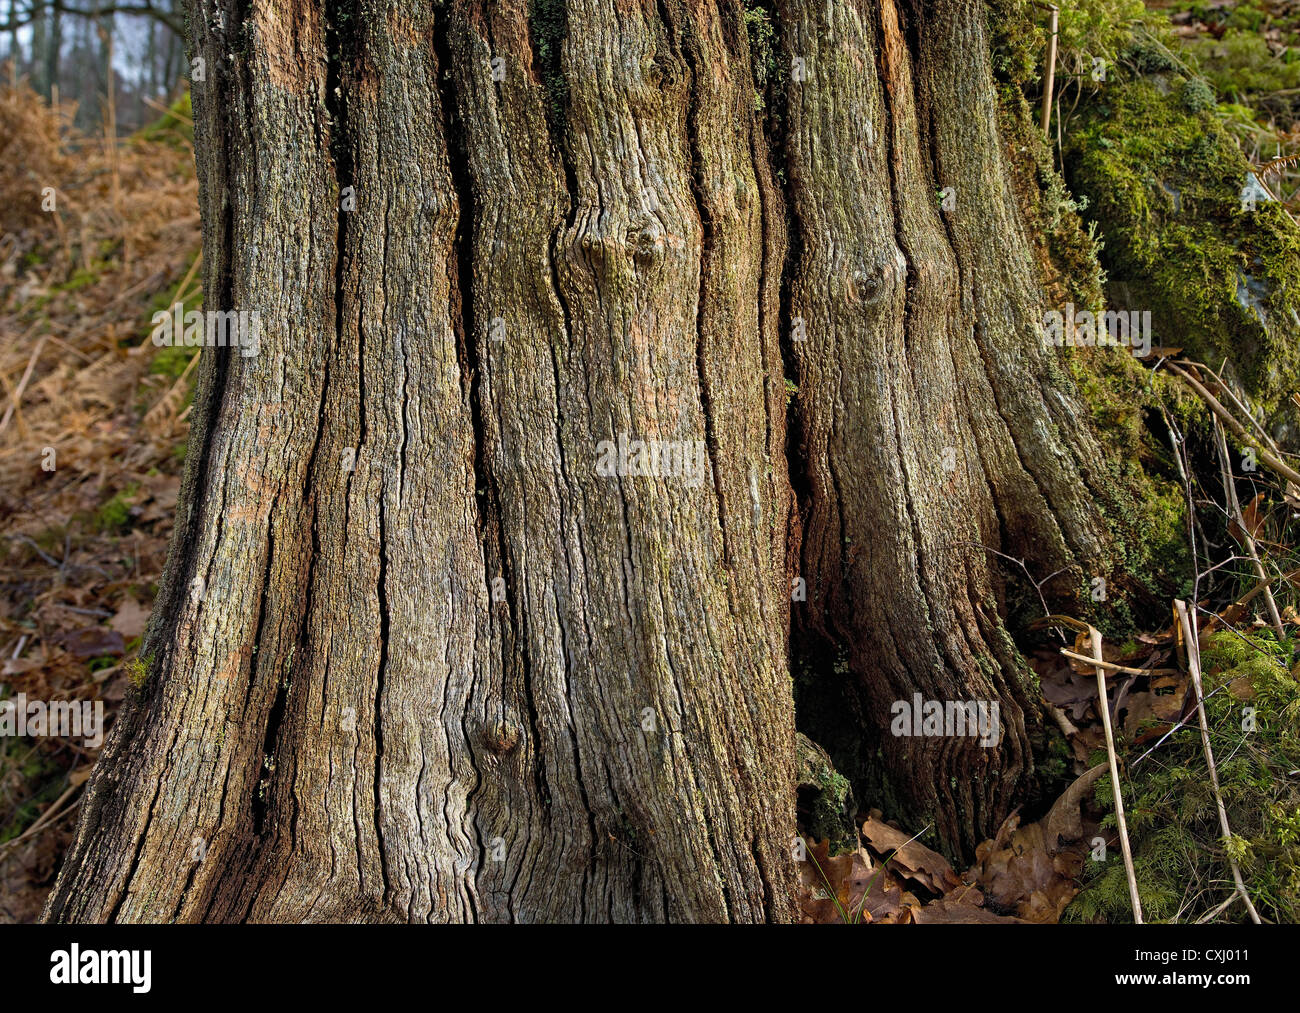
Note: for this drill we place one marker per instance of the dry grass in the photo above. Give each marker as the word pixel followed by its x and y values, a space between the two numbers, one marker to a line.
pixel 83 544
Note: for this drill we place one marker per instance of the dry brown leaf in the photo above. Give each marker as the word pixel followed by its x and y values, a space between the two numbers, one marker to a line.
pixel 1064 823
pixel 131 618
pixel 831 887
pixel 910 859
pixel 92 642
pixel 1018 873
pixel 942 912
pixel 1252 515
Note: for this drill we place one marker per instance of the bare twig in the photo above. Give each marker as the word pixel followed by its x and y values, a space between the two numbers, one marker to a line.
pixel 1218 910
pixel 1110 666
pixel 1049 80
pixel 46 818
pixel 22 385
pixel 1238 404
pixel 1247 539
pixel 1094 641
pixel 1265 455
pixel 1160 741
pixel 1038 584
pixel 1194 666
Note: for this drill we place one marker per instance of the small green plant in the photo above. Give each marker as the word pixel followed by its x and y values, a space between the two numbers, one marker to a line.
pixel 137 671
pixel 549 26
pixel 762 47
pixel 115 514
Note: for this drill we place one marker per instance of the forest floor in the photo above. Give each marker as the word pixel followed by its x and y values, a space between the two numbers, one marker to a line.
pixel 1249 51
pixel 94 237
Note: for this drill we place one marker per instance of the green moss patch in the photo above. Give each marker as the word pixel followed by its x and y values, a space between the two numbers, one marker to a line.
pixel 1164 184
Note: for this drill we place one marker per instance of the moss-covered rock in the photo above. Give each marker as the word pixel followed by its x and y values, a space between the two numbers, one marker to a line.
pixel 826 808
pixel 1164 182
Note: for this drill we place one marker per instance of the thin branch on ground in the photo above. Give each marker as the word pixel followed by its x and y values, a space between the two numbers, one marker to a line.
pixel 1247 539
pixel 1190 638
pixel 1094 641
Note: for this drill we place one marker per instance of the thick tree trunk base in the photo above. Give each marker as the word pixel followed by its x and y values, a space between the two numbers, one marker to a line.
pixel 419 655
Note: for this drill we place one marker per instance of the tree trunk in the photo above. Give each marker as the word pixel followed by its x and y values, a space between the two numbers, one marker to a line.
pixel 40 82
pixel 417 655
pixel 53 50
pixel 934 423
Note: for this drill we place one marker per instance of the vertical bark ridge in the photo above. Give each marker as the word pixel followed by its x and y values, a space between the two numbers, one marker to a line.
pixel 465 324
pixel 617 198
pixel 1051 521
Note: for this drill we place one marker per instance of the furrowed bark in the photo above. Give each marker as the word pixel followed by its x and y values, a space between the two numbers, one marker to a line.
pixel 442 668
pixel 931 414
pixel 417 655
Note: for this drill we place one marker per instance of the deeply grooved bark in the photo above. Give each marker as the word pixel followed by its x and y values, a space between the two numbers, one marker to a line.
pixel 570 235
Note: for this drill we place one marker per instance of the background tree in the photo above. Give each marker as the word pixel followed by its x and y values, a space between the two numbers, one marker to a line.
pixel 145 35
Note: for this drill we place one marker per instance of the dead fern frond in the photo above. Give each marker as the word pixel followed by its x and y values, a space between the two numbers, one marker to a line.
pixel 1274 167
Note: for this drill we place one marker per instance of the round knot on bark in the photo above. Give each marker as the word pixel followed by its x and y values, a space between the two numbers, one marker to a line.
pixel 876 284
pixel 646 240
pixel 502 737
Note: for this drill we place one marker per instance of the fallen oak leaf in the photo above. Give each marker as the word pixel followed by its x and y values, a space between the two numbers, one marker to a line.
pixel 1019 875
pixel 1063 823
pixel 130 619
pixel 911 859
pixel 1252 516
pixel 942 912
pixel 92 642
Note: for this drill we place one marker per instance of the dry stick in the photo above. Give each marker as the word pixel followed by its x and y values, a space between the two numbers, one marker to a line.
pixel 1237 403
pixel 1159 742
pixel 1247 539
pixel 1249 596
pixel 1194 664
pixel 69 348
pixel 1094 640
pixel 22 384
pixel 1062 722
pixel 44 820
pixel 1110 666
pixel 1049 84
pixel 1193 521
pixel 1218 910
pixel 1238 430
